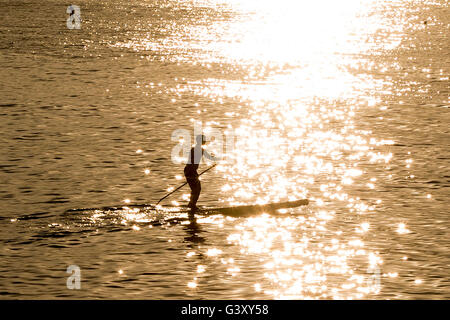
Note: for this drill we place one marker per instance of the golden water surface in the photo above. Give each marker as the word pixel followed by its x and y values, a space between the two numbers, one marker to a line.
pixel 341 102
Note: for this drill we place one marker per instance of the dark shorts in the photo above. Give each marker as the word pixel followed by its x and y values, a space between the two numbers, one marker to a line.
pixel 190 173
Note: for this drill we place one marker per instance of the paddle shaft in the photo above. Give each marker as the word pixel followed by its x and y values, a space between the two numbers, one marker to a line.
pixel 184 184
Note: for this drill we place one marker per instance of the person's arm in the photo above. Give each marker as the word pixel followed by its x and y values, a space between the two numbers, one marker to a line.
pixel 210 156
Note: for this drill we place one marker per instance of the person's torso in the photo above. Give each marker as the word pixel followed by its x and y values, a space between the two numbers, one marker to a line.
pixel 195 156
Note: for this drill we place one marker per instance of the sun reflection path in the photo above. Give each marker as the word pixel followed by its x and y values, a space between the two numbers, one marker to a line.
pixel 298 140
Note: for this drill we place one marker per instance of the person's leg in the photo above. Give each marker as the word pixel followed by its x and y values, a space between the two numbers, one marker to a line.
pixel 190 179
pixel 195 194
pixel 195 186
pixel 191 184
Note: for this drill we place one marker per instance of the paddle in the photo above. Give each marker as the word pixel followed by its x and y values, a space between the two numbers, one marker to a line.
pixel 184 184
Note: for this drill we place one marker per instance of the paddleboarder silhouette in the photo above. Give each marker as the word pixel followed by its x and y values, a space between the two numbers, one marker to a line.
pixel 190 170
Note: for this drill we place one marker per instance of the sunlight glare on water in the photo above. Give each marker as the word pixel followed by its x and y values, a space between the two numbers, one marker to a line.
pixel 299 132
pixel 343 103
pixel 299 138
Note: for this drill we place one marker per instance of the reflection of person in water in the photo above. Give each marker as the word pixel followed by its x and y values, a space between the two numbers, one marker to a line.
pixel 193 230
pixel 190 171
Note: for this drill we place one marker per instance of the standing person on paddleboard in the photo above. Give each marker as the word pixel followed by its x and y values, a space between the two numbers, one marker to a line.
pixel 190 170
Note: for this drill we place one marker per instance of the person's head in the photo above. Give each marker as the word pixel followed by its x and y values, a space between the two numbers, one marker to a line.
pixel 201 139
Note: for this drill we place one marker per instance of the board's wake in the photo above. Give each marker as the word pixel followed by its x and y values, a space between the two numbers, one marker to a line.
pixel 234 211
